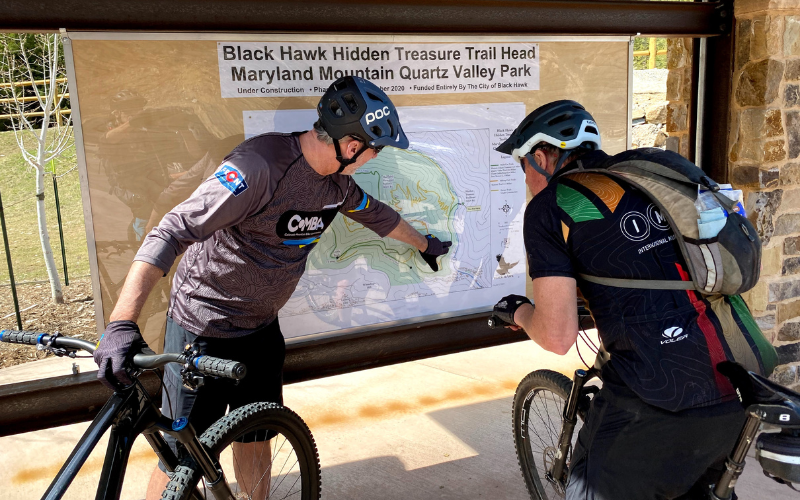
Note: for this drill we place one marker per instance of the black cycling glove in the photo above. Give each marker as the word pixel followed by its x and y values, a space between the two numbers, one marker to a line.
pixel 112 353
pixel 507 306
pixel 436 247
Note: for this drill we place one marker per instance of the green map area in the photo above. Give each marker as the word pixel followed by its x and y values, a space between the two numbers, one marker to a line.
pixel 417 187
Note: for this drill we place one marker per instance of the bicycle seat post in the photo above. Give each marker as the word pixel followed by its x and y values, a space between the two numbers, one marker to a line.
pixel 735 462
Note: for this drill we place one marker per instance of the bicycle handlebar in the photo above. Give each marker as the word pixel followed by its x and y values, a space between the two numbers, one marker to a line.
pixel 207 365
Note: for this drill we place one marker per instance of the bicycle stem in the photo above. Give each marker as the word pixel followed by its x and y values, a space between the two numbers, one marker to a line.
pixel 734 465
pixel 570 418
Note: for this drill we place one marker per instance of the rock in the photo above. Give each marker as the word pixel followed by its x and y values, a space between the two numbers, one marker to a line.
pixel 761 207
pixel 790 266
pixel 673 144
pixel 657 113
pixel 744 32
pixel 789 332
pixel 766 322
pixel 774 151
pixel 792 70
pixel 675 85
pixel 791 200
pixel 677 116
pixel 637 114
pixel 646 135
pixel 793 135
pixel 791 95
pixel 676 53
pixel 791 246
pixel 769 178
pixel 745 176
pixel 790 174
pixel 767 39
pixel 787 224
pixel 791 36
pixel 758 85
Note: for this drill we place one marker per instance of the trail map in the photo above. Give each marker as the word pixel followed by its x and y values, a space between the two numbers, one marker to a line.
pixel 449 183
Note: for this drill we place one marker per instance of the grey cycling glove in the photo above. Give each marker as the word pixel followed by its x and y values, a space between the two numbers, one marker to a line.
pixel 112 353
pixel 508 305
pixel 436 247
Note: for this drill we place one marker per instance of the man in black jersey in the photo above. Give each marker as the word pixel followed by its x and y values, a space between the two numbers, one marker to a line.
pixel 665 419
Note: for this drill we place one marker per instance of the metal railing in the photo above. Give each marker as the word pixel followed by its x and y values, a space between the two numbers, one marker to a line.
pixel 59 113
pixel 652 52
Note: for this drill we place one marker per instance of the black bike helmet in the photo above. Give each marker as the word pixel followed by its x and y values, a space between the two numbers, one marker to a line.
pixel 353 106
pixel 563 124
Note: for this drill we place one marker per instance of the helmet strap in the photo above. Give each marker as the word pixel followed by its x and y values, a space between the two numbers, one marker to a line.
pixel 562 156
pixel 344 163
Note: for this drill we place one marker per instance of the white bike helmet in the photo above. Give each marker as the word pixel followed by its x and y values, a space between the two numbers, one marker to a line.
pixel 563 124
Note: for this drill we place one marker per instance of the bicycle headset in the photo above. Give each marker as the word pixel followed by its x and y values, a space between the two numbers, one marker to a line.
pixel 355 107
pixel 564 124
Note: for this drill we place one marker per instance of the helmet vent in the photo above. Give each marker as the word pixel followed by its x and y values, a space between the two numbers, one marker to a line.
pixel 374 97
pixel 376 130
pixel 560 118
pixel 592 130
pixel 350 101
pixel 568 132
pixel 336 109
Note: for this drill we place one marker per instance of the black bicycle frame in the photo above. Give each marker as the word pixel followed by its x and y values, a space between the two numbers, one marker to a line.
pixel 722 490
pixel 129 413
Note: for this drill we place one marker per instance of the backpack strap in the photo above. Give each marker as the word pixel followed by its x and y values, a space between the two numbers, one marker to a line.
pixel 640 284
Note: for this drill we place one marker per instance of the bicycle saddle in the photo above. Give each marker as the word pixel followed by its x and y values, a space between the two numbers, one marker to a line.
pixel 776 404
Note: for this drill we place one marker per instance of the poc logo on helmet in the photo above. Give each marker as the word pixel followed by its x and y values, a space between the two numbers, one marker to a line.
pixel 377 115
pixel 673 334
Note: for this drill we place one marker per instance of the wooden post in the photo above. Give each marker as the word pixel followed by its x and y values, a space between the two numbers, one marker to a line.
pixel 651 62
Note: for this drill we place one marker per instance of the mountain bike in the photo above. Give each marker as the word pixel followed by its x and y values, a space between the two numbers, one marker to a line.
pixel 287 465
pixel 549 410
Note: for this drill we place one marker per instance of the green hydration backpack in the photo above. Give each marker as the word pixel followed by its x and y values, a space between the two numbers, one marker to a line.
pixel 728 263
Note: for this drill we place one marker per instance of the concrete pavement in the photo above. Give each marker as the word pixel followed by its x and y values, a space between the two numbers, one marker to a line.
pixel 431 429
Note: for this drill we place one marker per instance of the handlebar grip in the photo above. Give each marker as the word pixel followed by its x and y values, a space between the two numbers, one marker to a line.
pixel 220 367
pixel 20 337
pixel 495 322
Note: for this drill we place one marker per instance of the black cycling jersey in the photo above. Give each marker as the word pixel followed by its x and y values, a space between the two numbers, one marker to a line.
pixel 664 344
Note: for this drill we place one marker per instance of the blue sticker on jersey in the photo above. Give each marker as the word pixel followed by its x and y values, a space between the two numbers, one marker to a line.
pixel 232 179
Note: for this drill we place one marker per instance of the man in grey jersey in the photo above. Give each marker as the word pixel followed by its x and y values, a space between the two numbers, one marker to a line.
pixel 247 231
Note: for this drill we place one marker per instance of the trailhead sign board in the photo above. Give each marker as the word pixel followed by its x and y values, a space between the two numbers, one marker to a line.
pixel 158 112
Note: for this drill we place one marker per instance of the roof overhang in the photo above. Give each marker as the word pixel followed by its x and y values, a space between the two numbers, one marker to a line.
pixel 666 18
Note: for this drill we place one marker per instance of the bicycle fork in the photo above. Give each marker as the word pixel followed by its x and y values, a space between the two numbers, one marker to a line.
pixel 185 434
pixel 570 418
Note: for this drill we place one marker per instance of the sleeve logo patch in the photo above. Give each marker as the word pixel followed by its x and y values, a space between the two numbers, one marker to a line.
pixel 232 179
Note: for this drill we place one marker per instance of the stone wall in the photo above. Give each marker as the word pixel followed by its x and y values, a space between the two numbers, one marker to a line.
pixel 648 127
pixel 679 94
pixel 764 151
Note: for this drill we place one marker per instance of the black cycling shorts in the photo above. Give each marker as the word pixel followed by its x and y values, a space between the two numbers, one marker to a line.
pixel 262 351
pixel 628 449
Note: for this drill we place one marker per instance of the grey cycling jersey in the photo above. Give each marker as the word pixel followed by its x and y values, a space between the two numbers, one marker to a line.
pixel 247 231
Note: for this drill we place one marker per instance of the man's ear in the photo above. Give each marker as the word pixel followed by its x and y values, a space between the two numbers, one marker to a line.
pixel 352 146
pixel 541 158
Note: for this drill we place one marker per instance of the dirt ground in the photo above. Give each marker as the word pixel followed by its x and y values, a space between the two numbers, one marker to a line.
pixel 75 317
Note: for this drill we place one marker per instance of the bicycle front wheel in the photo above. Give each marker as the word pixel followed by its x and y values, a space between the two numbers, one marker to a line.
pixel 537 414
pixel 285 466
